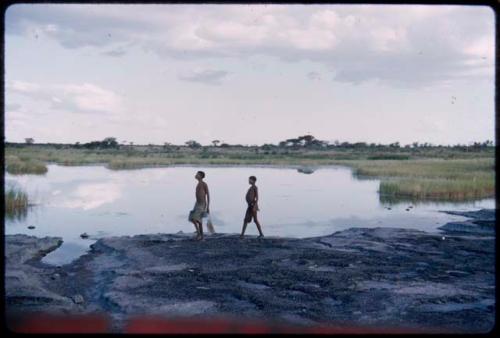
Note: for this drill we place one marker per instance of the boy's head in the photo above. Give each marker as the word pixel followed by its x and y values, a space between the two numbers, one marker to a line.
pixel 252 179
pixel 200 175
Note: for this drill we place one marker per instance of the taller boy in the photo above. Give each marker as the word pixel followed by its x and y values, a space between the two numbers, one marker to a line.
pixel 201 206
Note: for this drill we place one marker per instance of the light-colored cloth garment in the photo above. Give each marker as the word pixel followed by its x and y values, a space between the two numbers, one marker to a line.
pixel 198 212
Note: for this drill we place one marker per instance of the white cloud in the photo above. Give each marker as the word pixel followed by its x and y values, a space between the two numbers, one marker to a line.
pixel 314 76
pixel 360 42
pixel 207 76
pixel 77 98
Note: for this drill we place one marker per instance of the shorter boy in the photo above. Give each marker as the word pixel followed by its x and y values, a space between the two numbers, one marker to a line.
pixel 252 197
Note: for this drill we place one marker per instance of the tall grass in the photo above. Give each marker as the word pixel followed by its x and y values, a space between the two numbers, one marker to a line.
pixel 437 189
pixel 15 165
pixel 427 168
pixel 16 203
pixel 432 179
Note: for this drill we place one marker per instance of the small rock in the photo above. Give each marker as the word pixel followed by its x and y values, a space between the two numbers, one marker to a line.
pixel 84 235
pixel 31 227
pixel 78 299
pixel 56 276
pixel 407 209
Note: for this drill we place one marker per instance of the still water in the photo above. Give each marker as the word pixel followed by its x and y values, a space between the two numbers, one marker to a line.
pixel 102 202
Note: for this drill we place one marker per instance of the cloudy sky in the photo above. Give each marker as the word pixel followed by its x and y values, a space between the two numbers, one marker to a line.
pixel 249 74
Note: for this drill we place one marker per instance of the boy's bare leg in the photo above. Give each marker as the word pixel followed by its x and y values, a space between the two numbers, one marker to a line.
pixel 196 227
pixel 200 225
pixel 257 224
pixel 243 230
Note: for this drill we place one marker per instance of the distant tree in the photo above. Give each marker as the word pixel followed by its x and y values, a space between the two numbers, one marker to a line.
pixel 193 144
pixel 215 142
pixel 29 140
pixel 109 142
pixel 359 145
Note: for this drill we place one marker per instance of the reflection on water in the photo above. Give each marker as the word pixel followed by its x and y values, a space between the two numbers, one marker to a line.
pixel 16 215
pixel 393 200
pixel 305 170
pixel 102 202
pixel 88 196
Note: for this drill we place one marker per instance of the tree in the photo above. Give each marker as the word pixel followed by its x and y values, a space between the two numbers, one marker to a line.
pixel 29 140
pixel 192 144
pixel 215 142
pixel 109 142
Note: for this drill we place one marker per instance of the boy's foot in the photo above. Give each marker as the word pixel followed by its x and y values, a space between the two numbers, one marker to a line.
pixel 241 236
pixel 260 236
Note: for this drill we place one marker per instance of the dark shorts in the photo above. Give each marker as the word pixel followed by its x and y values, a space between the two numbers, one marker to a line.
pixel 249 213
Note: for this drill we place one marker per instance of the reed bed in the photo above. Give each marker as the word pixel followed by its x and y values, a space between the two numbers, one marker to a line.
pixel 16 203
pixel 17 166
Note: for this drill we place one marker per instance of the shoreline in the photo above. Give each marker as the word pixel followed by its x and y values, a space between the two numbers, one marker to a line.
pixel 371 277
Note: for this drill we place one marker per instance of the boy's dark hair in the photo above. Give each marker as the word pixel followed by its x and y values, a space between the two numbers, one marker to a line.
pixel 253 178
pixel 202 174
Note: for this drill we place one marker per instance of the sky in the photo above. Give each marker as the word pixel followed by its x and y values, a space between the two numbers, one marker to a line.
pixel 249 74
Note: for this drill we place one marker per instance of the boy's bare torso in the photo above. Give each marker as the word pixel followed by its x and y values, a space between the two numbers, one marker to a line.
pixel 201 191
pixel 251 193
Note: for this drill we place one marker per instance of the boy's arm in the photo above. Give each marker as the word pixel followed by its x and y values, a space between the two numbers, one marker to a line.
pixel 208 197
pixel 256 194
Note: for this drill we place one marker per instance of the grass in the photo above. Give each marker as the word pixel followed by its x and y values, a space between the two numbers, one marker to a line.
pixel 17 165
pixel 431 179
pixel 437 189
pixel 434 174
pixel 16 203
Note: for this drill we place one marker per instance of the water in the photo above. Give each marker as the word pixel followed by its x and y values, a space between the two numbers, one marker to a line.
pixel 102 202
